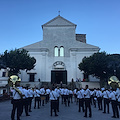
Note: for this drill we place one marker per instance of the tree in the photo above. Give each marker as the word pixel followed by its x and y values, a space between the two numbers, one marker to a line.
pixel 96 65
pixel 17 60
pixel 114 65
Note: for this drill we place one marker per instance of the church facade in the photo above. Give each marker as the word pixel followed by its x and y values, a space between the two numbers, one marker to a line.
pixel 58 54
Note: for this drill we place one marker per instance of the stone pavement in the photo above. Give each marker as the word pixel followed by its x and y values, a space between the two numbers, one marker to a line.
pixel 66 113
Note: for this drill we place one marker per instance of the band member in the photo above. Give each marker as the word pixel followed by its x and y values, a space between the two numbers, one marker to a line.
pixel 48 93
pixel 25 101
pixel 71 95
pixel 113 98
pixel 66 97
pixel 53 98
pixel 87 101
pixel 62 94
pixel 80 96
pixel 42 91
pixel 94 97
pixel 75 96
pixel 99 99
pixel 118 97
pixel 58 92
pixel 37 97
pixel 106 94
pixel 31 94
pixel 16 101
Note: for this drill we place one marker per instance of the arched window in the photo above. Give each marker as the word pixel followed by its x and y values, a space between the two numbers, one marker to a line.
pixel 56 51
pixel 61 51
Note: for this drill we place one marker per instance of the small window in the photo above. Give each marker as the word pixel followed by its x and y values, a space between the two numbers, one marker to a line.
pixel 32 77
pixel 4 74
pixel 56 51
pixel 61 51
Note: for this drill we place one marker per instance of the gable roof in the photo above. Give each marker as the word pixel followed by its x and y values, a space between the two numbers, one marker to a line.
pixel 58 21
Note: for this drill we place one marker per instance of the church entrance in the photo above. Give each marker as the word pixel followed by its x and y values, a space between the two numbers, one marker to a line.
pixel 59 75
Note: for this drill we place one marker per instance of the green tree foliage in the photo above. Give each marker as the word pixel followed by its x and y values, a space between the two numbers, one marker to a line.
pixel 95 65
pixel 114 65
pixel 101 65
pixel 17 60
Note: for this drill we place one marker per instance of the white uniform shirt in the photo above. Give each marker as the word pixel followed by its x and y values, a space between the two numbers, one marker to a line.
pixel 42 90
pixel 26 93
pixel 99 94
pixel 53 95
pixel 47 91
pixel 80 94
pixel 62 91
pixel 112 95
pixel 70 92
pixel 106 94
pixel 87 93
pixel 16 95
pixel 75 91
pixel 37 93
pixel 66 91
pixel 31 93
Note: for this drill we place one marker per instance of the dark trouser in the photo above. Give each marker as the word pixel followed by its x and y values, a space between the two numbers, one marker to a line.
pixel 16 105
pixel 114 108
pixel 99 103
pixel 30 103
pixel 53 106
pixel 106 103
pixel 81 104
pixel 57 104
pixel 119 105
pixel 94 101
pixel 91 99
pixel 71 96
pixel 37 100
pixel 43 98
pixel 66 100
pixel 25 103
pixel 75 97
pixel 62 96
pixel 88 105
pixel 47 98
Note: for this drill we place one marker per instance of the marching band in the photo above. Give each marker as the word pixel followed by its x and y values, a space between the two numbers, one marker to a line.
pixel 101 99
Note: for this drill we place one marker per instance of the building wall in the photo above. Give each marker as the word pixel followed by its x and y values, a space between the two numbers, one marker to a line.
pixel 58 32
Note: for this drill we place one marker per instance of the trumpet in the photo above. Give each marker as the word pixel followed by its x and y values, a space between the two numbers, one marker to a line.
pixel 13 80
pixel 114 82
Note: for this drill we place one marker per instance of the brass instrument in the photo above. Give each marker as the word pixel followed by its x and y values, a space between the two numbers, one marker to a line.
pixel 13 81
pixel 114 82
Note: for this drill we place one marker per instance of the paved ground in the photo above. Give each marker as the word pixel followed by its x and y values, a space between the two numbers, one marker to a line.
pixel 66 113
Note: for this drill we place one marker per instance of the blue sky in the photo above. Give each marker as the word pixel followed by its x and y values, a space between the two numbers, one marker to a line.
pixel 21 20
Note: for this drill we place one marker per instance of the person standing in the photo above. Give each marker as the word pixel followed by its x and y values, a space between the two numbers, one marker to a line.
pixel 58 92
pixel 37 97
pixel 106 94
pixel 16 101
pixel 31 94
pixel 113 99
pixel 87 101
pixel 42 91
pixel 99 99
pixel 48 93
pixel 25 101
pixel 53 99
pixel 80 96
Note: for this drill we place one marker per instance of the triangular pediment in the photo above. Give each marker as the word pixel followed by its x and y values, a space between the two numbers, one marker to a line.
pixel 59 21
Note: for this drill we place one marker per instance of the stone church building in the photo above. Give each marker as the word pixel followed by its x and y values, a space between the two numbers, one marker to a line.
pixel 58 54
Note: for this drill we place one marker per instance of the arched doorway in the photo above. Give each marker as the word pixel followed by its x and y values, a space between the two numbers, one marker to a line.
pixel 59 73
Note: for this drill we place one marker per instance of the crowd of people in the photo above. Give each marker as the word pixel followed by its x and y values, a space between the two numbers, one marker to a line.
pixel 84 98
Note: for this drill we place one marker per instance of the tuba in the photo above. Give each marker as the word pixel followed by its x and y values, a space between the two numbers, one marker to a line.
pixel 114 82
pixel 13 81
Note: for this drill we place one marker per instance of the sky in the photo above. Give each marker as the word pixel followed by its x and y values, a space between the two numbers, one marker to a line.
pixel 21 21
